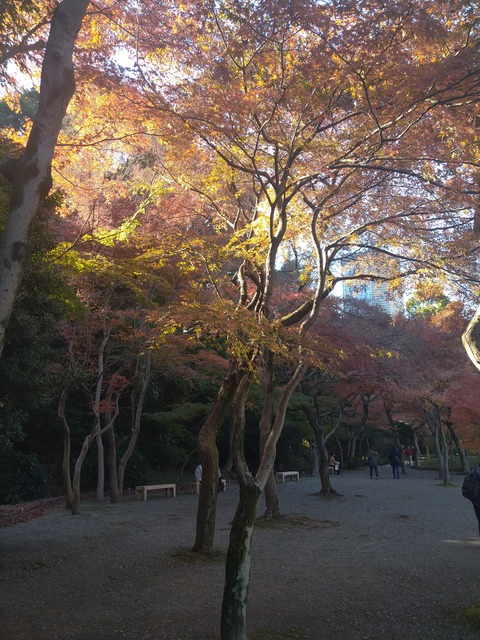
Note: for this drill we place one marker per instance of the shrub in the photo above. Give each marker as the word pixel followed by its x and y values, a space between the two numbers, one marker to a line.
pixel 22 477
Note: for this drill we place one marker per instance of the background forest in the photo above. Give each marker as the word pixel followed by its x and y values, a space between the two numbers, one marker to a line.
pixel 148 249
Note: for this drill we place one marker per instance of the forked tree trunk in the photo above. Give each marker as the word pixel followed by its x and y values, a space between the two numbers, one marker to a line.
pixel 237 571
pixel 361 427
pixel 83 454
pixel 315 417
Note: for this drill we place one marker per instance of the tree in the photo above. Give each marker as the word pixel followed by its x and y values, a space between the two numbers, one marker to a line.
pixel 328 136
pixel 22 26
pixel 430 370
pixel 30 174
pixel 336 144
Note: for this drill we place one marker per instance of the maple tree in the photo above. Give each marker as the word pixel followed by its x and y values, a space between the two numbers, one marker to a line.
pixel 329 142
pixel 22 32
pixel 305 144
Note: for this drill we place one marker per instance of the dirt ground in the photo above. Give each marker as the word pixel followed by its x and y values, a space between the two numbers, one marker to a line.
pixel 392 559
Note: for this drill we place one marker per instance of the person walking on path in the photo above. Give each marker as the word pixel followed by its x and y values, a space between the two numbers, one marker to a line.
pixel 471 491
pixel 395 457
pixel 373 462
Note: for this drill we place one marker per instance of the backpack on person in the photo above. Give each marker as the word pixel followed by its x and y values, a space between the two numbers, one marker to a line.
pixel 395 459
pixel 471 487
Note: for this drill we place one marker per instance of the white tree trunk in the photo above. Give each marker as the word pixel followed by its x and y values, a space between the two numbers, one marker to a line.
pixel 471 339
pixel 30 174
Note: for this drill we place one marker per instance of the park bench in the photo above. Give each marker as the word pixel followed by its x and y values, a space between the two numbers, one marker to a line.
pixel 142 490
pixel 284 475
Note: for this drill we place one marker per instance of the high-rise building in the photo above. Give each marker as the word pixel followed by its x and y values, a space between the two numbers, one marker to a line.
pixel 375 293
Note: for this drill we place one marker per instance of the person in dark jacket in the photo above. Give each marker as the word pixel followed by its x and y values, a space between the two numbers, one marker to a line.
pixel 476 499
pixel 373 462
pixel 395 457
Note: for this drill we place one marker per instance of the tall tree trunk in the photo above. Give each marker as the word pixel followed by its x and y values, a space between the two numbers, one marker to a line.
pixel 396 438
pixel 272 503
pixel 136 422
pixel 237 572
pixel 97 414
pixel 30 174
pixel 433 427
pixel 237 569
pixel 416 446
pixel 438 451
pixel 315 418
pixel 461 451
pixel 312 414
pixel 471 336
pixel 446 470
pixel 326 487
pixel 112 441
pixel 112 466
pixel 100 467
pixel 78 472
pixel 361 427
pixel 67 449
pixel 316 461
pixel 208 451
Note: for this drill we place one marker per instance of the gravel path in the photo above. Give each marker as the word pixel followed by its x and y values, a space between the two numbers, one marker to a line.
pixel 391 559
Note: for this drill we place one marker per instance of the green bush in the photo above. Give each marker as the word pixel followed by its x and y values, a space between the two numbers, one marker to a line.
pixel 22 477
pixel 136 471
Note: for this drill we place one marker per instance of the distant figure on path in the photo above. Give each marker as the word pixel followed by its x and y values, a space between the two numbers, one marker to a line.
pixel 334 465
pixel 198 473
pixel 409 455
pixel 395 457
pixel 471 491
pixel 373 462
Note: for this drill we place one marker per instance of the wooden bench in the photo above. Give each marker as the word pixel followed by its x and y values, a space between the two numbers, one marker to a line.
pixel 284 475
pixel 142 490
